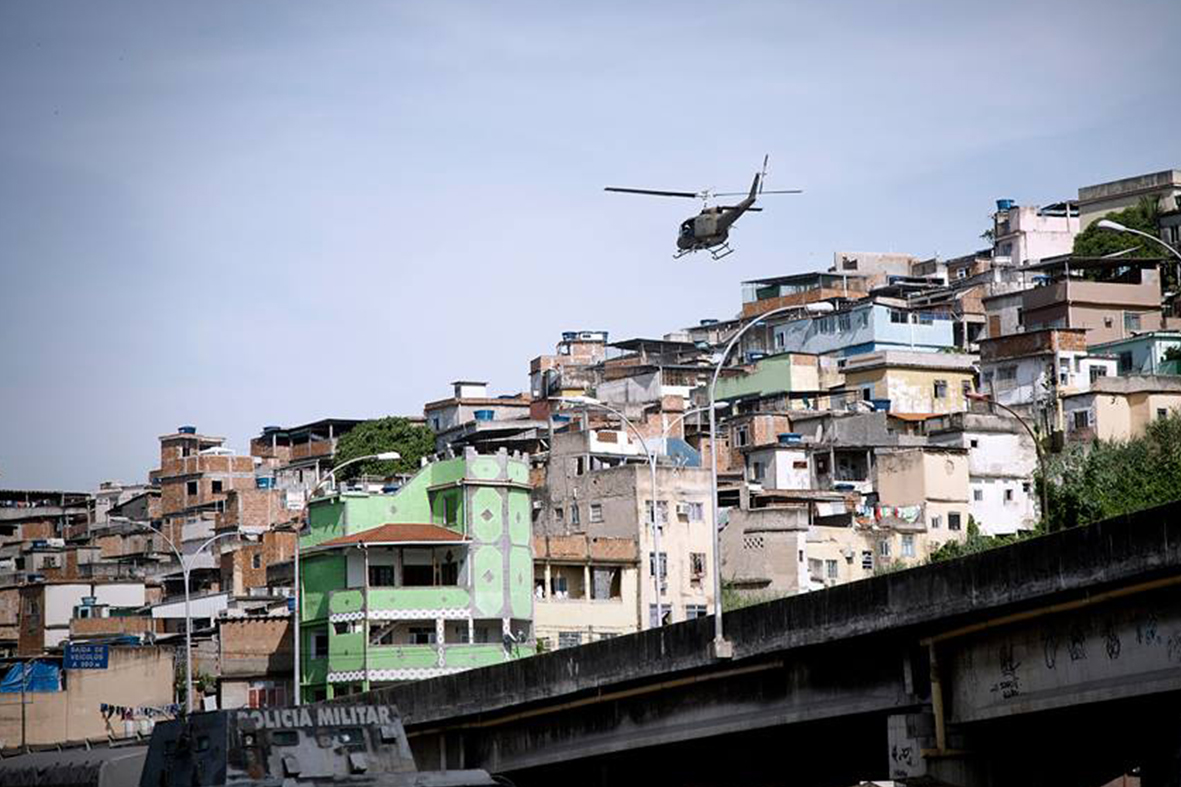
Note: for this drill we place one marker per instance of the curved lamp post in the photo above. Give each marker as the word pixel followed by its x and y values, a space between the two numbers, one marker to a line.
pixel 186 568
pixel 386 456
pixel 1115 226
pixel 1041 461
pixel 721 648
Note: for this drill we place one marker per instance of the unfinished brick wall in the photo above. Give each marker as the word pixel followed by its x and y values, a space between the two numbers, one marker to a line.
pixel 255 646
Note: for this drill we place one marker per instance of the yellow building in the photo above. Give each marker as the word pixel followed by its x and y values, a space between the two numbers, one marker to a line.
pixel 913 382
pixel 1120 408
pixel 584 588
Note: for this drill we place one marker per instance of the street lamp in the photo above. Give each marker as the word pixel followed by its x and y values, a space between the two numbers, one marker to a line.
pixel 1041 462
pixel 385 456
pixel 186 568
pixel 1115 226
pixel 588 401
pixel 722 649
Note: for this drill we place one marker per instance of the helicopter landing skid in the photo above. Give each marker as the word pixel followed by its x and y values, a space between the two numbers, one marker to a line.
pixel 720 251
pixel 717 252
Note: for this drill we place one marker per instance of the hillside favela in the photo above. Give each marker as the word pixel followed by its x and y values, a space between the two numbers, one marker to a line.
pixel 375 413
pixel 887 413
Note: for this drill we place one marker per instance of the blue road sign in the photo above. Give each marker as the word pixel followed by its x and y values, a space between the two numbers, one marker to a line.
pixel 80 656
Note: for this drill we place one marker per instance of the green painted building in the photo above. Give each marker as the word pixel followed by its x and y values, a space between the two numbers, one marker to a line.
pixel 434 578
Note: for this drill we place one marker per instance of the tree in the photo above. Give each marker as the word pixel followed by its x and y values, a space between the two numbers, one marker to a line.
pixel 1096 242
pixel 413 441
pixel 1110 478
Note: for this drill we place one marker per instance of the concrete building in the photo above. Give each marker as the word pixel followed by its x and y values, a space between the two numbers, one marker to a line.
pixel 295 458
pixel 932 479
pixel 572 369
pixel 1002 460
pixel 46 609
pixel 112 495
pixel 196 472
pixel 1005 314
pixel 27 514
pixel 1036 368
pixel 762 295
pixel 586 588
pixel 601 488
pixel 470 402
pixel 776 374
pixel 764 551
pixel 1120 408
pixel 255 662
pixel 912 382
pixel 1098 200
pixel 1145 354
pixel 244 565
pixel 876 266
pixel 1111 299
pixel 432 579
pixel 865 327
pixel 1023 234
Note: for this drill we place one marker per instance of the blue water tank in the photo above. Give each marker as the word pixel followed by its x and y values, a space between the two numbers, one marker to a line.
pixel 264 482
pixel 790 438
pixel 560 419
pixel 485 415
pixel 881 405
pixel 1005 204
pixel 186 430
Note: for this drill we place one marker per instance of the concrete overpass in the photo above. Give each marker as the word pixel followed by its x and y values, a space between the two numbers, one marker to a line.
pixel 1056 661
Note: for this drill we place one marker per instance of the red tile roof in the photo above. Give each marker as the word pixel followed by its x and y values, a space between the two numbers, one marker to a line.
pixel 395 533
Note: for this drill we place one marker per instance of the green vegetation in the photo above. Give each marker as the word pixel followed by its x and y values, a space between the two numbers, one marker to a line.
pixel 733 598
pixel 976 542
pixel 413 441
pixel 1106 479
pixel 1095 242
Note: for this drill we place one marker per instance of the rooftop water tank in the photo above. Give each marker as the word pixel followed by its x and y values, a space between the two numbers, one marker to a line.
pixel 1005 204
pixel 790 438
pixel 485 415
pixel 880 405
pixel 186 430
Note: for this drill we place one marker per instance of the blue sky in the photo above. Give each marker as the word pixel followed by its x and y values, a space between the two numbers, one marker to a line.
pixel 238 214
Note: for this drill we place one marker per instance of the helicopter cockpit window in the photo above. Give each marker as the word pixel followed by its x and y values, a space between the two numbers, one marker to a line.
pixel 687 227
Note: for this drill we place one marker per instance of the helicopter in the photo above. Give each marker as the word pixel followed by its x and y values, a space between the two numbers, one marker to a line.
pixel 709 230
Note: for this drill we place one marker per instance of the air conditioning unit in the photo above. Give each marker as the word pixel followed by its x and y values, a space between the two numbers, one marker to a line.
pixel 683 509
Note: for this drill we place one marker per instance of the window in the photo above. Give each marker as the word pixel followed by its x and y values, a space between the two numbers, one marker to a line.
pixel 319 647
pixel 966 387
pixel 843 323
pixel 381 576
pixel 953 521
pixel 191 487
pixel 936 522
pixel 574 514
pixel 663 564
pixel 1097 372
pixel 666 617
pixel 941 389
pixel 346 627
pixel 830 569
pixel 884 547
pixel 1131 321
pixel 661 511
pixel 216 487
pixel 977 495
pixel 561 586
pixel 697 564
pixel 1008 495
pixel 867 560
pixel 1020 316
pixel 596 512
pixel 758 472
pixel 694 611
pixel 908 546
pixel 973 443
pixel 422 635
pixel 569 639
pixel 695 511
pixel 897 316
pixel 1161 413
pixel 1081 419
pixel 256 560
pixel 560 514
pixel 1125 362
pixel 742 436
pixel 848 264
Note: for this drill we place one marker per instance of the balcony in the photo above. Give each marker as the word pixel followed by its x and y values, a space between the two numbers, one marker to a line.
pixel 386 602
pixel 403 662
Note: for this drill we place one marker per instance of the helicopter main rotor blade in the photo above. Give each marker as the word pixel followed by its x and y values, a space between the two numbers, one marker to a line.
pixel 743 193
pixel 733 207
pixel 654 192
